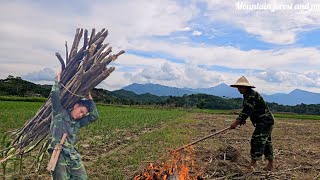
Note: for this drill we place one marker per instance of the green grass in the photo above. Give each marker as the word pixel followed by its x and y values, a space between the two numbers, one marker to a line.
pixel 14 114
pixel 150 131
pixel 276 115
pixel 25 99
pixel 115 122
pixel 212 111
pixel 298 116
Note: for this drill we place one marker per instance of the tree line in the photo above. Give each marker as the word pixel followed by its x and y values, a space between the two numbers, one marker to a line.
pixel 15 86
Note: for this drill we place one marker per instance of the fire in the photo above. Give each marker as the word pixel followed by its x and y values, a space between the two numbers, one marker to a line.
pixel 175 166
pixel 184 172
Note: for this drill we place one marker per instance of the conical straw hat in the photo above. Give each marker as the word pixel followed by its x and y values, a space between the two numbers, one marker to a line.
pixel 242 82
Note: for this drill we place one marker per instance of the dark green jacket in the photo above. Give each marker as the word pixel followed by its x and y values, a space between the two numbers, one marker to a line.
pixel 62 122
pixel 256 108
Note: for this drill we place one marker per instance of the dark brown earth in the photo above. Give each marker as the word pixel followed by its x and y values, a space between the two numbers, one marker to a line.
pixel 296 146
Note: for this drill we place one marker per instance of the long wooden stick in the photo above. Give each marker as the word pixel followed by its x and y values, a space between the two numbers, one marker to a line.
pixel 194 142
pixel 55 154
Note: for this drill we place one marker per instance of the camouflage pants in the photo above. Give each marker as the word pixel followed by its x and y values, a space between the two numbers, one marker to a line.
pixel 68 168
pixel 261 143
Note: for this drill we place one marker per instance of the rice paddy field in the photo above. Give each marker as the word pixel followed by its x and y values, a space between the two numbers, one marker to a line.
pixel 125 140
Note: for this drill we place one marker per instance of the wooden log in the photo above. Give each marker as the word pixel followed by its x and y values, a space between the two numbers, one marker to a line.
pixel 56 153
pixel 93 33
pixel 63 66
pixel 67 58
pixel 74 43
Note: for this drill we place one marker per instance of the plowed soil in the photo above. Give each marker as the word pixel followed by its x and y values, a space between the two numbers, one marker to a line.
pixel 296 146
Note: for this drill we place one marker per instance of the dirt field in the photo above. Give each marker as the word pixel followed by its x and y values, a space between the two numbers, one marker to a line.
pixel 296 146
pixel 225 156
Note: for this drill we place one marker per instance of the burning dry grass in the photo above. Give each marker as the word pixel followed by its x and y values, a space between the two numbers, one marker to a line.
pixel 174 165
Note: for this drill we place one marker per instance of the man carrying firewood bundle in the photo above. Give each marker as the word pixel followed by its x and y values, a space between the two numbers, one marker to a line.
pixel 68 165
pixel 256 108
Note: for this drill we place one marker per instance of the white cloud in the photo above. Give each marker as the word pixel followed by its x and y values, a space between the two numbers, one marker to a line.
pixel 31 34
pixel 293 79
pixel 128 20
pixel 279 27
pixel 162 71
pixel 185 29
pixel 196 33
pixel 46 74
pixel 290 59
pixel 18 69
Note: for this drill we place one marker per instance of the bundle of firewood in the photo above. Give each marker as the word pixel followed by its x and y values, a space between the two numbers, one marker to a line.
pixel 82 70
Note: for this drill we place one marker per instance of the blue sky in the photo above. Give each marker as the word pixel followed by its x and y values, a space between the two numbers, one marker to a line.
pixel 186 43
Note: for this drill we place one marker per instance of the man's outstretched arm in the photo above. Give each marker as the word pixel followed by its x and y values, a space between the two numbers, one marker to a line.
pixel 55 95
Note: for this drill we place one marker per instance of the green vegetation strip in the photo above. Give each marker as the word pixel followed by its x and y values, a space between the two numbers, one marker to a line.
pixel 276 115
pixel 297 116
pixel 25 99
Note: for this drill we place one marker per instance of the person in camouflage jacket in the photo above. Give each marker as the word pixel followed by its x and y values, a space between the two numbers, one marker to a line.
pixel 84 112
pixel 262 119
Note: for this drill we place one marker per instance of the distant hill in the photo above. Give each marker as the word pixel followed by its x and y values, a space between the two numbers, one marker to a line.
pixel 153 93
pixel 223 90
pixel 140 98
pixel 296 96
pixel 156 89
pixel 15 86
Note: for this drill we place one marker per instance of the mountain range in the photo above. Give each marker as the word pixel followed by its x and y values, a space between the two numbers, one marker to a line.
pixel 295 97
pixel 155 93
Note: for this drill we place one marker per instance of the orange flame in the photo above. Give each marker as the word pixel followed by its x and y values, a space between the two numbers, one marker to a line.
pixel 184 172
pixel 175 164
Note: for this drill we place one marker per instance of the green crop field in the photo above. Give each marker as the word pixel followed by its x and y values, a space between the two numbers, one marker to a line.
pixel 124 139
pixel 116 126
